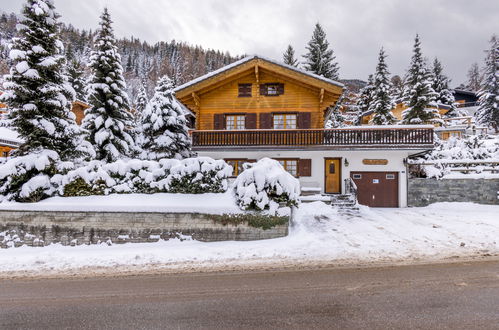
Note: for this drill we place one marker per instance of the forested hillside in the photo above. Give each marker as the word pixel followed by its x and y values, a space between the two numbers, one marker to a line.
pixel 141 60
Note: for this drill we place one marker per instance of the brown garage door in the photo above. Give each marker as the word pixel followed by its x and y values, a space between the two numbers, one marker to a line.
pixel 377 189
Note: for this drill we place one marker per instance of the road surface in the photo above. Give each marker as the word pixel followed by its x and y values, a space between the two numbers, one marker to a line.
pixel 444 296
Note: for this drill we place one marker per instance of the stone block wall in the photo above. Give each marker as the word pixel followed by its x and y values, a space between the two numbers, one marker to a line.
pixel 422 192
pixel 37 228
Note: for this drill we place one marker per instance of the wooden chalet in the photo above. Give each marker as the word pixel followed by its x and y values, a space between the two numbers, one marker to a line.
pixel 257 108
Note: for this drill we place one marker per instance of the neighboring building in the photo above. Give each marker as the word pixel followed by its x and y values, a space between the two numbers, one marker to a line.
pixel 257 108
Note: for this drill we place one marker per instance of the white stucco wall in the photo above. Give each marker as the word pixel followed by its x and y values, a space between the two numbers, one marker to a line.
pixel 395 163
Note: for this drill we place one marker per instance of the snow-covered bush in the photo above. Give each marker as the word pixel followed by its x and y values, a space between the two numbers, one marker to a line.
pixel 471 149
pixel 265 184
pixel 188 176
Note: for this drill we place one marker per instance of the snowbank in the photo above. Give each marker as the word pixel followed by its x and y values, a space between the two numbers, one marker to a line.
pixel 161 202
pixel 320 234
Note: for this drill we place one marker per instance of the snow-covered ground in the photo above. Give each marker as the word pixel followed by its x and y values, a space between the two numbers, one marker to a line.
pixel 320 235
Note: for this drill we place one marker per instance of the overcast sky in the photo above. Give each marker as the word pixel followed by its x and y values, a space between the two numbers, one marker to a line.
pixel 455 31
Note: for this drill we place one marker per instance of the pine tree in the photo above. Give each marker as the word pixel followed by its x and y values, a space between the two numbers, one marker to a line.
pixel 75 74
pixel 440 85
pixel 289 57
pixel 397 89
pixel 141 100
pixel 382 102
pixel 164 131
pixel 39 97
pixel 419 96
pixel 474 78
pixel 107 120
pixel 488 109
pixel 37 90
pixel 320 59
pixel 365 99
pixel 336 120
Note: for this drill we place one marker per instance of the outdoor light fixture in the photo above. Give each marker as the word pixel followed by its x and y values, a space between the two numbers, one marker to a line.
pixel 346 162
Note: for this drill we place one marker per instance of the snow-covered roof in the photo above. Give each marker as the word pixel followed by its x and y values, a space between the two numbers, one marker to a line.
pixel 186 110
pixel 8 136
pixel 255 57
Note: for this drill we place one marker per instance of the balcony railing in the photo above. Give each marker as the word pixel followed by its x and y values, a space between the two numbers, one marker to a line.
pixel 395 137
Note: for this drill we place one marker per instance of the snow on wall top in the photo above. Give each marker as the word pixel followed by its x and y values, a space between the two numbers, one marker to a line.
pixel 9 135
pixel 249 58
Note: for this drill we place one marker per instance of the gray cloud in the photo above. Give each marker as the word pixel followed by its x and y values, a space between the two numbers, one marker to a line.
pixel 455 31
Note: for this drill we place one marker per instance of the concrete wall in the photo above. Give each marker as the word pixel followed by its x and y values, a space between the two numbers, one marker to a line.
pixel 42 228
pixel 395 163
pixel 423 192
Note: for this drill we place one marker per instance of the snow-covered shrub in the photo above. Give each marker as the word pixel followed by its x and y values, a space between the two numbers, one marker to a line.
pixel 28 178
pixel 265 184
pixel 190 175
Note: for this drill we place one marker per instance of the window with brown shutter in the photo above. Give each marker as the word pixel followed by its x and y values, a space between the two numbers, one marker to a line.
pixel 272 89
pixel 304 120
pixel 265 120
pixel 305 167
pixel 235 121
pixel 244 90
pixel 218 121
pixel 284 120
pixel 250 121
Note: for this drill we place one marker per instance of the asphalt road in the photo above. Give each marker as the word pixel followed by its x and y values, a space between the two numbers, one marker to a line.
pixel 445 296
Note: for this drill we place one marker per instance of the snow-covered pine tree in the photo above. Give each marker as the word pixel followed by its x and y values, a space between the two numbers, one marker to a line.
pixel 164 131
pixel 382 102
pixel 474 78
pixel 141 100
pixel 397 89
pixel 108 119
pixel 289 57
pixel 365 99
pixel 39 98
pixel 419 95
pixel 440 85
pixel 319 58
pixel 488 109
pixel 75 74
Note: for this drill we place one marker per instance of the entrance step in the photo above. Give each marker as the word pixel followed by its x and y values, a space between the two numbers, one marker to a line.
pixel 310 191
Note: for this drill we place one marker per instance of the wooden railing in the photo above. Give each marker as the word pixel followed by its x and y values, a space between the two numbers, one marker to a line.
pixel 369 137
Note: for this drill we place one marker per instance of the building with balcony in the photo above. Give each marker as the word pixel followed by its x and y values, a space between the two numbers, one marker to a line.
pixel 257 108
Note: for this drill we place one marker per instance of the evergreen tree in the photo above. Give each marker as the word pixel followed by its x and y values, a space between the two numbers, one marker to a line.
pixel 141 100
pixel 107 120
pixel 365 99
pixel 474 78
pixel 440 85
pixel 289 57
pixel 488 109
pixel 336 119
pixel 75 74
pixel 397 89
pixel 39 98
pixel 419 95
pixel 320 59
pixel 382 102
pixel 164 131
pixel 37 90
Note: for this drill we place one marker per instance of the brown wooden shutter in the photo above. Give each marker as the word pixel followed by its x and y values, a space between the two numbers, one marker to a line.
pixel 218 121
pixel 280 89
pixel 263 89
pixel 305 167
pixel 265 120
pixel 250 121
pixel 304 120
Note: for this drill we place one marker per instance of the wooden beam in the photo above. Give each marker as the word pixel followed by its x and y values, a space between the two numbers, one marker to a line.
pixel 321 97
pixel 256 74
pixel 196 99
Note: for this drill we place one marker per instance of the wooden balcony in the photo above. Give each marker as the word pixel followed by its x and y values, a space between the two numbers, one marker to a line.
pixel 402 137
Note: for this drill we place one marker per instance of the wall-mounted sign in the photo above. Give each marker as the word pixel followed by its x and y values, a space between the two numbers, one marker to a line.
pixel 375 161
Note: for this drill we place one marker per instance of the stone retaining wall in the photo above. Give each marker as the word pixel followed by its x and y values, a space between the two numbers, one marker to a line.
pixel 422 192
pixel 38 228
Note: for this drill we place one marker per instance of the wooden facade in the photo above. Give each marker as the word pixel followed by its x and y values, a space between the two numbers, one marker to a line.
pixel 241 90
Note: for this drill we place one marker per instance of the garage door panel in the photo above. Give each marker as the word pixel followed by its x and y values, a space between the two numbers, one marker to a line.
pixel 377 189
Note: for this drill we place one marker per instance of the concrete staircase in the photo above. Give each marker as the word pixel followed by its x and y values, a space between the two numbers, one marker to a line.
pixel 347 201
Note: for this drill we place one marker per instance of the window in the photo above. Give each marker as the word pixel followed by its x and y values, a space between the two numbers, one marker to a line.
pixel 284 121
pixel 272 89
pixel 235 122
pixel 390 176
pixel 244 90
pixel 5 154
pixel 237 165
pixel 290 165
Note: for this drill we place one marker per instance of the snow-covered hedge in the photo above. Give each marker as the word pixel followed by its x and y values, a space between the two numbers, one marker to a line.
pixel 43 175
pixel 188 176
pixel 265 184
pixel 461 151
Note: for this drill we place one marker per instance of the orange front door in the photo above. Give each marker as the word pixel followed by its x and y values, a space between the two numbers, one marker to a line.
pixel 332 170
